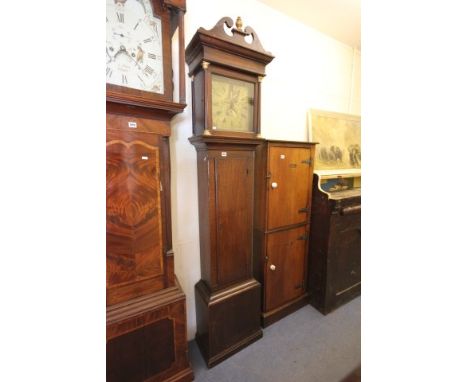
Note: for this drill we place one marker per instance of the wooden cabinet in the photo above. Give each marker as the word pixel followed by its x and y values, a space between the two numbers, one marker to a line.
pixel 283 198
pixel 227 296
pixel 335 246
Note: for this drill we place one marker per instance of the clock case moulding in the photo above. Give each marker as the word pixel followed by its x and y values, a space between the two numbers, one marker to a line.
pixel 228 298
pixel 146 322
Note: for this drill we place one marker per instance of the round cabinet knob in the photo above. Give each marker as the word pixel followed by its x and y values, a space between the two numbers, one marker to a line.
pixel 272 267
pixel 274 185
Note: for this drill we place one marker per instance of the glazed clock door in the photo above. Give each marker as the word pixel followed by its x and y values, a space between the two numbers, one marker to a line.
pixel 288 186
pixel 285 268
pixel 134 215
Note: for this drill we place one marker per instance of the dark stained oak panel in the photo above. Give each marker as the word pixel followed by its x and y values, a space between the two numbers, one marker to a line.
pixel 345 269
pixel 234 216
pixel 335 248
pixel 228 297
pixel 134 227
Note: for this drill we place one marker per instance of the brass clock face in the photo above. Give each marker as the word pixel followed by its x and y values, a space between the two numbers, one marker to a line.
pixel 232 104
pixel 134 46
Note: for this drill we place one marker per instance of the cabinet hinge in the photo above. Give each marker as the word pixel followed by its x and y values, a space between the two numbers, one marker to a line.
pixel 300 286
pixel 304 209
pixel 307 161
pixel 302 237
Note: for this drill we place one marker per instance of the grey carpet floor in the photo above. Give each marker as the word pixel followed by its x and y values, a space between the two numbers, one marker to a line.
pixel 302 347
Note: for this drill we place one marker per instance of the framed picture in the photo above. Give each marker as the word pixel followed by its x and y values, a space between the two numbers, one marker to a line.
pixel 339 138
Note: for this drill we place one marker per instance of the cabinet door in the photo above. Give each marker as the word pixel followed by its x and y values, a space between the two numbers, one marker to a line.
pixel 289 185
pixel 344 254
pixel 133 215
pixel 286 265
pixel 233 182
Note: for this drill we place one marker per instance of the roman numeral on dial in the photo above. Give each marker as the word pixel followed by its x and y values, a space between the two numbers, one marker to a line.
pixel 152 56
pixel 109 72
pixel 120 17
pixel 148 70
pixel 124 79
pixel 147 40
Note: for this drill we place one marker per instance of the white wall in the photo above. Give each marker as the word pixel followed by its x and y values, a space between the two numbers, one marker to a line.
pixel 310 70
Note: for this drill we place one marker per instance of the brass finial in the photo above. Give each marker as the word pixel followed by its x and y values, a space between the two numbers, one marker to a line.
pixel 239 23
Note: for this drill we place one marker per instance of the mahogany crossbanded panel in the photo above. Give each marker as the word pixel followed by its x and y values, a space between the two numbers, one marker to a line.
pixel 147 338
pixel 134 216
pixel 290 169
pixel 287 251
pixel 234 215
pixel 148 351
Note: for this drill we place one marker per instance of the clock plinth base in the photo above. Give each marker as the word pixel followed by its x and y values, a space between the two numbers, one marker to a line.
pixel 227 320
pixel 147 338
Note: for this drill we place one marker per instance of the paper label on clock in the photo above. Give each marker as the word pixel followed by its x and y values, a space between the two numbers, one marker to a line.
pixel 224 154
pixel 214 127
pixel 132 125
pixel 282 156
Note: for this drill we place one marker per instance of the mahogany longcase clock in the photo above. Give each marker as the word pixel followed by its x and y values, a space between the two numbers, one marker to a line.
pixel 146 312
pixel 226 71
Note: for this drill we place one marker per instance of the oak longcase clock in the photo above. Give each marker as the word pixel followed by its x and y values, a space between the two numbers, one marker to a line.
pixel 146 328
pixel 226 71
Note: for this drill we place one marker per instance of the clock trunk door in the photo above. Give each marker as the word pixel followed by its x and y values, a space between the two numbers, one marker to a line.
pixel 234 215
pixel 133 215
pixel 285 268
pixel 289 186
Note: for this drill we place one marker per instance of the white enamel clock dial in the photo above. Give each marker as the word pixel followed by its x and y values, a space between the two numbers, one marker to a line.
pixel 134 51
